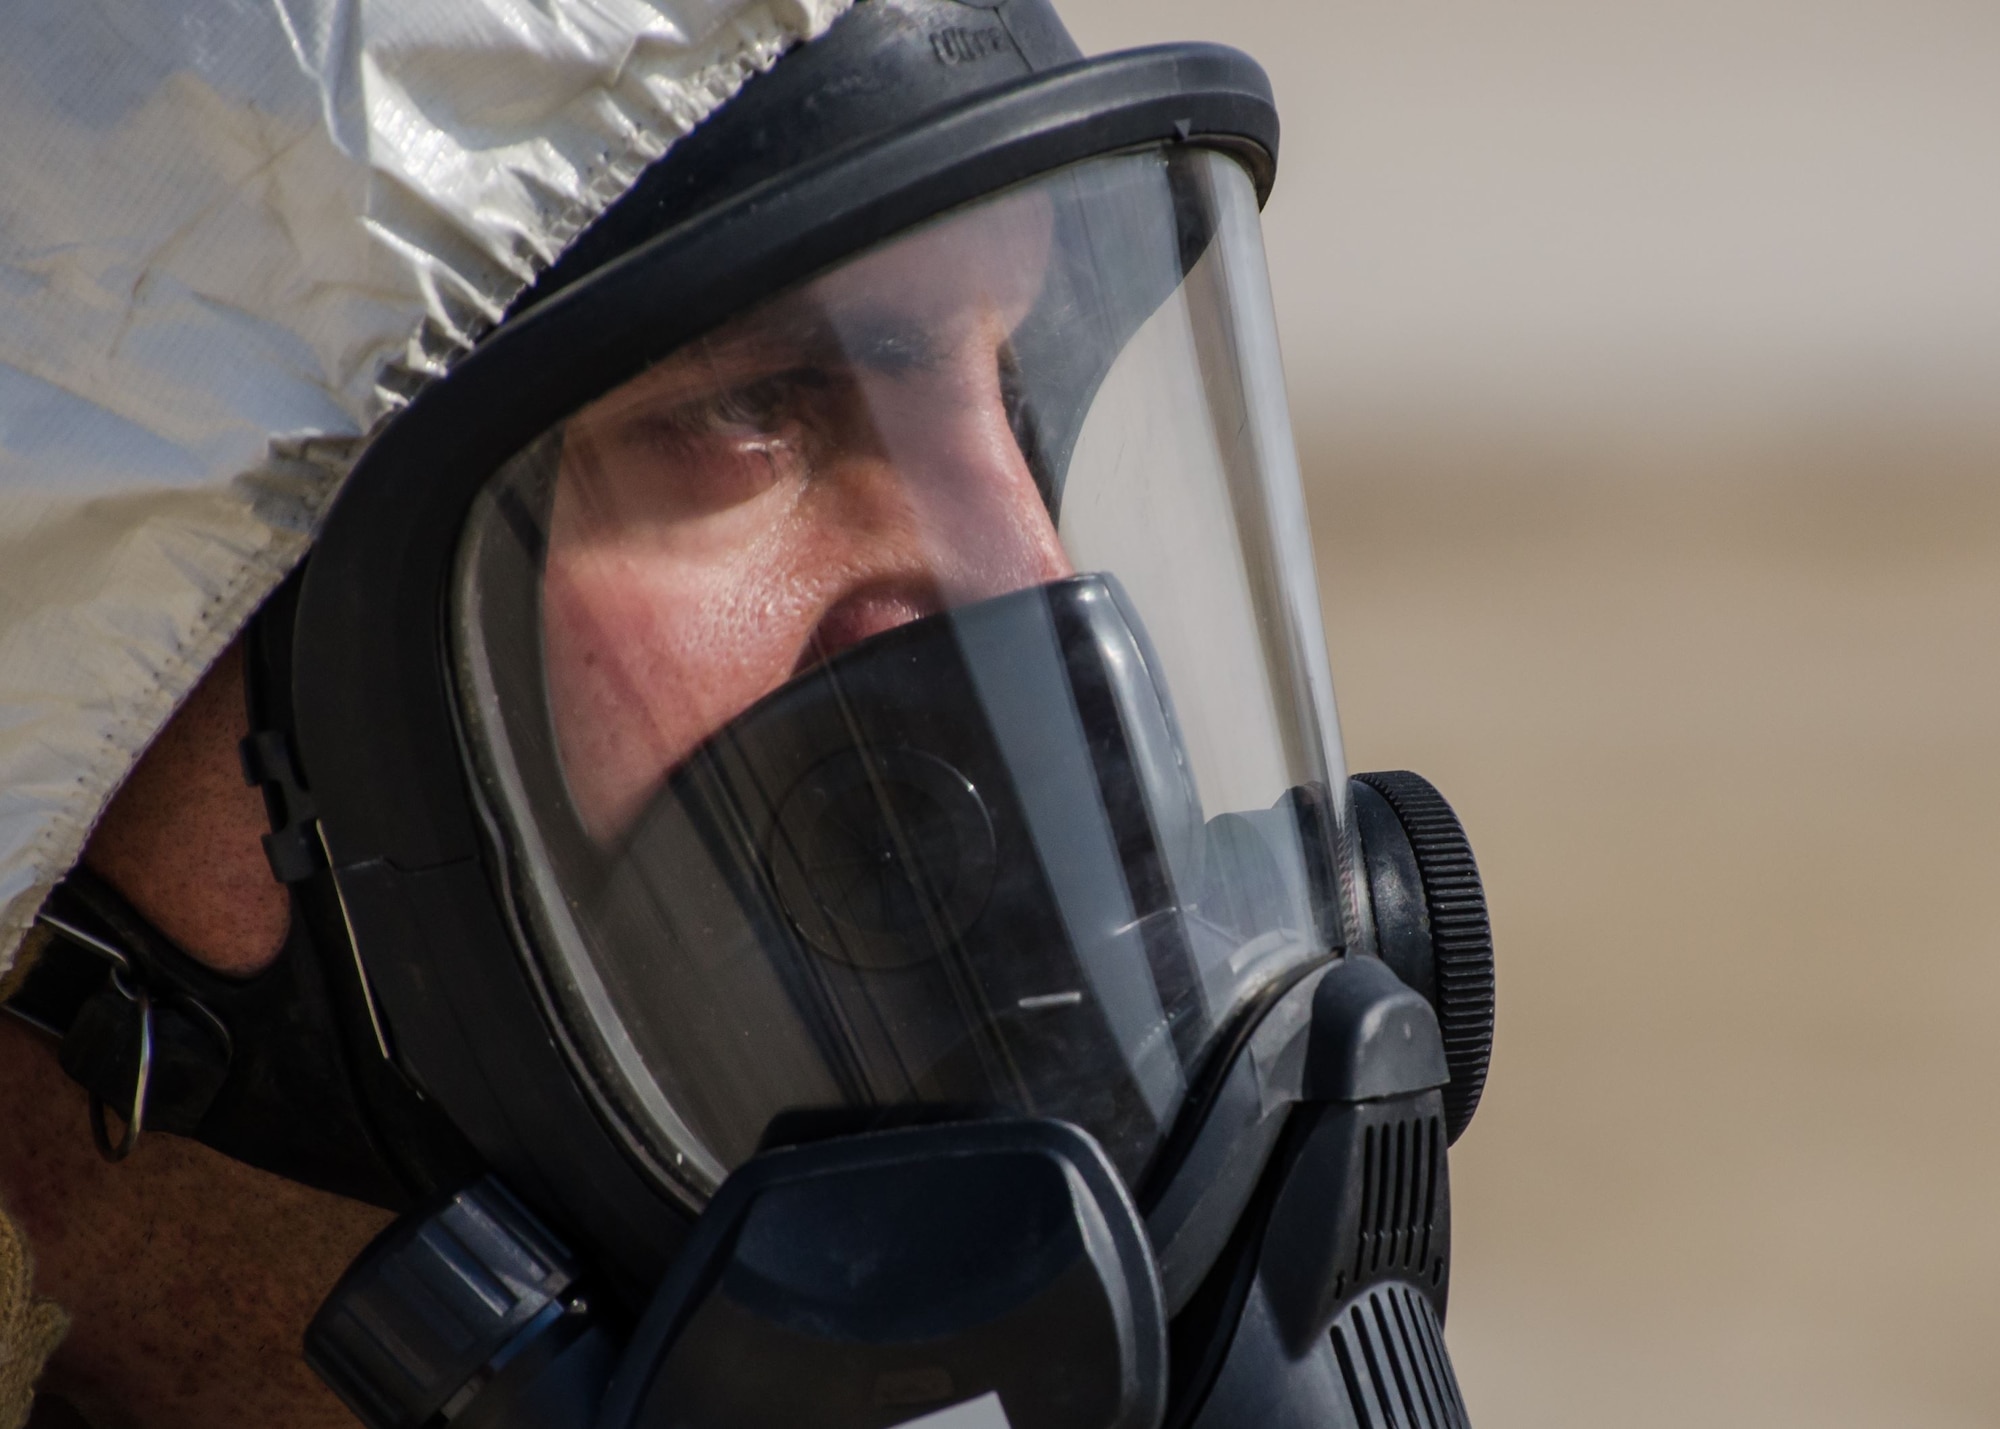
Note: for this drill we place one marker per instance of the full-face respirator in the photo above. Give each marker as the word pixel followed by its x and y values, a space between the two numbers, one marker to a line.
pixel 809 777
pixel 958 873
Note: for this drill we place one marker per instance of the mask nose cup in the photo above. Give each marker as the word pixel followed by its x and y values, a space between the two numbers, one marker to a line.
pixel 880 858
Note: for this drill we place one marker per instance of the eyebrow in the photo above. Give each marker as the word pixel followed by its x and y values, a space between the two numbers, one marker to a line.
pixel 792 335
pixel 722 362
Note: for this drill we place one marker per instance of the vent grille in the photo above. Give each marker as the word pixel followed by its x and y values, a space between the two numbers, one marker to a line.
pixel 1402 1168
pixel 1391 1353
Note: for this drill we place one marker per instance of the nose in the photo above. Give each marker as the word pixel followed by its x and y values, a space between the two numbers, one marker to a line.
pixel 945 513
pixel 984 526
pixel 950 514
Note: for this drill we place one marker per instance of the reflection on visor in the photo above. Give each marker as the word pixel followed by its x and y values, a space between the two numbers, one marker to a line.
pixel 823 779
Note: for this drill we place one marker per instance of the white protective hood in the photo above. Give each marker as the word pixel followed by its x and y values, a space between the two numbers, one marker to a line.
pixel 234 236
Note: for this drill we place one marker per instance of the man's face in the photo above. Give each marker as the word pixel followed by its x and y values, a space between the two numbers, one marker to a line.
pixel 836 463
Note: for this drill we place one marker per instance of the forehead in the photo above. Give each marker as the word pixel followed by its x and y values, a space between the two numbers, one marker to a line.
pixel 997 252
pixel 988 262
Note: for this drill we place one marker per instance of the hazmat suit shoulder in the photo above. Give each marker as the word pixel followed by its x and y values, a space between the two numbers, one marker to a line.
pixel 235 235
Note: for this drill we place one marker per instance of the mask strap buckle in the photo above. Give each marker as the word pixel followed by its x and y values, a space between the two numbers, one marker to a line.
pixel 128 983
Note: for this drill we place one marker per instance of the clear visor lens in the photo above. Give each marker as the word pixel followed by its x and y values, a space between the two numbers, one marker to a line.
pixel 913 691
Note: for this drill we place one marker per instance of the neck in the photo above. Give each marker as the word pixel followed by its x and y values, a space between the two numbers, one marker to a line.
pixel 188 1277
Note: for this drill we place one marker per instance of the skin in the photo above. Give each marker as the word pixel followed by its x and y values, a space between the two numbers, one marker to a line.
pixel 188 1277
pixel 832 465
pixel 827 468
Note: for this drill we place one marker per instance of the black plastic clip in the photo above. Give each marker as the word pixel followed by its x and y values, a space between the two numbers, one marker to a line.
pixel 293 846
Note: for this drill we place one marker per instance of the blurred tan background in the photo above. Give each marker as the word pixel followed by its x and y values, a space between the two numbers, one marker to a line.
pixel 1646 364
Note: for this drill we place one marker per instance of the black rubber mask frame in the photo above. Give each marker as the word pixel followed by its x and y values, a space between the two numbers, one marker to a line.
pixel 416 879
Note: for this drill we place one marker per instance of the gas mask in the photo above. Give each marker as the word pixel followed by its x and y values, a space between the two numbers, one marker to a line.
pixel 809 773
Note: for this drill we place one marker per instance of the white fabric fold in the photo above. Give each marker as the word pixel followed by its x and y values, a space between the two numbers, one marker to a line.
pixel 234 235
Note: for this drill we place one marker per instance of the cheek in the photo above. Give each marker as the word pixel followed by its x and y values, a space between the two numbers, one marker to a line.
pixel 647 654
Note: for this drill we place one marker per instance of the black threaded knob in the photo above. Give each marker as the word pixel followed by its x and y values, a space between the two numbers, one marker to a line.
pixel 418 1324
pixel 1461 935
